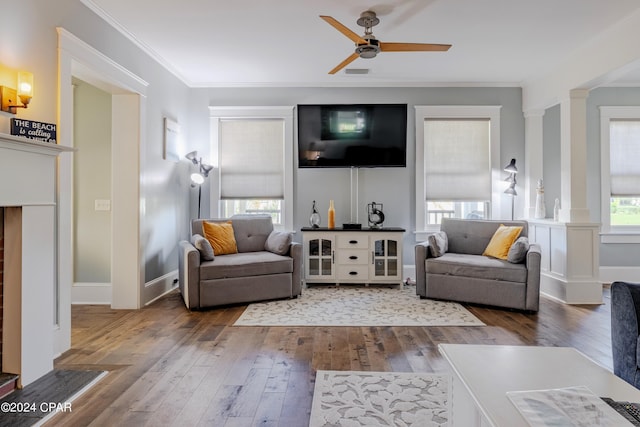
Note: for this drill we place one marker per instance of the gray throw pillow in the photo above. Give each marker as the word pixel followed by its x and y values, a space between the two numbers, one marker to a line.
pixel 518 251
pixel 203 246
pixel 438 244
pixel 278 242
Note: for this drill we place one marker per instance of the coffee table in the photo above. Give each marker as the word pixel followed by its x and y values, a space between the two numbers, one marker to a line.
pixel 483 374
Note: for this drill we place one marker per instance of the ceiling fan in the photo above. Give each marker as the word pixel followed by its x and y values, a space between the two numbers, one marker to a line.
pixel 367 46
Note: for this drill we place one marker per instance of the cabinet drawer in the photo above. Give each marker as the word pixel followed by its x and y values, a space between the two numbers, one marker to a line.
pixel 353 256
pixel 353 240
pixel 355 272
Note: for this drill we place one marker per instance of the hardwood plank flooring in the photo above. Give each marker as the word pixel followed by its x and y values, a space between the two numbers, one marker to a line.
pixel 171 367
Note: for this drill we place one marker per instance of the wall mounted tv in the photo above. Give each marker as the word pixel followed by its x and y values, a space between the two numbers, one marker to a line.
pixel 342 136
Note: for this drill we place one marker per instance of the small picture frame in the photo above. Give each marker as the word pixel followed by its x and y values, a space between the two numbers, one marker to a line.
pixel 171 136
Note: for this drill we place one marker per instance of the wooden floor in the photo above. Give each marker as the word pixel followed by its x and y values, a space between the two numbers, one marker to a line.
pixel 169 366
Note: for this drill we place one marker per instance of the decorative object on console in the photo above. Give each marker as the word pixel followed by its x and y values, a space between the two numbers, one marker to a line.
pixel 331 215
pixel 556 210
pixel 314 219
pixel 541 210
pixel 511 179
pixel 375 214
pixel 9 96
pixel 197 178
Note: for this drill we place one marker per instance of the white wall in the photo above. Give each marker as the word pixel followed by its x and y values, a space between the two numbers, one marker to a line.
pixel 393 187
pixel 163 184
pixel 92 181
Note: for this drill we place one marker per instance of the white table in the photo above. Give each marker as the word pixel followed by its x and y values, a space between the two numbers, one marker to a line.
pixel 483 374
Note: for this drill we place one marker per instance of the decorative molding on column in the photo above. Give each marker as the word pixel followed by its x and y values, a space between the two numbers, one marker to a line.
pixel 533 158
pixel 569 268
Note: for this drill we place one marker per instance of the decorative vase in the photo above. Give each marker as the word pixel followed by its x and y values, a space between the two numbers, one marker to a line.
pixel 331 215
pixel 541 210
pixel 314 219
pixel 556 210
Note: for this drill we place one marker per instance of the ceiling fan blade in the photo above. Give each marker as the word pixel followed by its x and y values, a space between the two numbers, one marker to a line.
pixel 413 47
pixel 344 30
pixel 344 63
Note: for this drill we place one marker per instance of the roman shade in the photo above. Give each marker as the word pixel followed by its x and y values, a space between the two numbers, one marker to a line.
pixel 457 161
pixel 252 159
pixel 625 158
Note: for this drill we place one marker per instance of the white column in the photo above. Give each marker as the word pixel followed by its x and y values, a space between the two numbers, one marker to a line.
pixel 533 155
pixel 573 153
pixel 570 247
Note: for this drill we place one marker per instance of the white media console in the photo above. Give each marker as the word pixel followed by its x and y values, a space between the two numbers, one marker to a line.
pixel 334 256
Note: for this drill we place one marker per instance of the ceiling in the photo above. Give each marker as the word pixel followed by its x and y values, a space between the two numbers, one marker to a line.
pixel 211 43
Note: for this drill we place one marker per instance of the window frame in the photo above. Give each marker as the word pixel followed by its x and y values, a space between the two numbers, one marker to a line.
pixel 613 233
pixel 422 112
pixel 285 113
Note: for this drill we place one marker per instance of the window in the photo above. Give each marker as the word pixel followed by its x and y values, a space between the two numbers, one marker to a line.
pixel 620 169
pixel 456 150
pixel 253 150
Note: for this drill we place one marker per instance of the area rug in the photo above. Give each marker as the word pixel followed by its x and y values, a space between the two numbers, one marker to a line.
pixel 352 399
pixel 46 397
pixel 357 306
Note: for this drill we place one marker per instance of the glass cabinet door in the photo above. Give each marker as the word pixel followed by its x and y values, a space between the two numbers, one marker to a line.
pixel 386 262
pixel 319 258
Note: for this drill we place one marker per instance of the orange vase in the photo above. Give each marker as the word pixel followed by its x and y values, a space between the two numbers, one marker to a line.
pixel 332 215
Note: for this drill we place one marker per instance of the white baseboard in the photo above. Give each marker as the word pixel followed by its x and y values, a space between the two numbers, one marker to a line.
pixel 159 287
pixel 91 293
pixel 571 292
pixel 622 274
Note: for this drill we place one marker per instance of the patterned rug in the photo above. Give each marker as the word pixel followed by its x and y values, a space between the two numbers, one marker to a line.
pixel 350 398
pixel 357 306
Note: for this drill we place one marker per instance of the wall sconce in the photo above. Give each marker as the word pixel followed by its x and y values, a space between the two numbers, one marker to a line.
pixel 197 178
pixel 9 96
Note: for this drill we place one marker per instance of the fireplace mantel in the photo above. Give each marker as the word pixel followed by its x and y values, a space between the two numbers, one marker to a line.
pixel 28 178
pixel 27 171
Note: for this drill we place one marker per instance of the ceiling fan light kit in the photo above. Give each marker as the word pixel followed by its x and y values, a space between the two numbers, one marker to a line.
pixel 367 46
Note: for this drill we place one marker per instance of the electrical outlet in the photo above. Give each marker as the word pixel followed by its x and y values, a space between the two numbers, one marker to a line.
pixel 102 205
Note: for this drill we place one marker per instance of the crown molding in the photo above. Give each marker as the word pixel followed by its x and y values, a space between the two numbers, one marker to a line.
pixel 137 42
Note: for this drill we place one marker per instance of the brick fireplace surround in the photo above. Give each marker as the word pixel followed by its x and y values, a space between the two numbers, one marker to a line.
pixel 27 255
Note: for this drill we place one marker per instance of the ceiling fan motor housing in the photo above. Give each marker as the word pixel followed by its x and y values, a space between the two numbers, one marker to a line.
pixel 368 50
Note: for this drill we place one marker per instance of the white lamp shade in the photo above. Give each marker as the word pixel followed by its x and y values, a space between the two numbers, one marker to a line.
pixel 196 178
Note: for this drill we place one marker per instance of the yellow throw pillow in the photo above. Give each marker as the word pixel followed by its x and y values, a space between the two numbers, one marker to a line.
pixel 221 237
pixel 501 241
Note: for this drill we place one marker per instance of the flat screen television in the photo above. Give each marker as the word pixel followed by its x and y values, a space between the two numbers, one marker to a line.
pixel 352 135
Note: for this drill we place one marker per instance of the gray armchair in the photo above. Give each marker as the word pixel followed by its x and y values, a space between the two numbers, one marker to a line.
pixel 463 274
pixel 255 273
pixel 625 334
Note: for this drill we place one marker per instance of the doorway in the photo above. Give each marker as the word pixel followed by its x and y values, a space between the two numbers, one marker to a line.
pixel 127 92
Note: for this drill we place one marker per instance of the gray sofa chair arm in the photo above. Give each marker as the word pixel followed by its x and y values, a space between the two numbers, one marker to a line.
pixel 532 262
pixel 295 252
pixel 189 274
pixel 421 255
pixel 625 306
